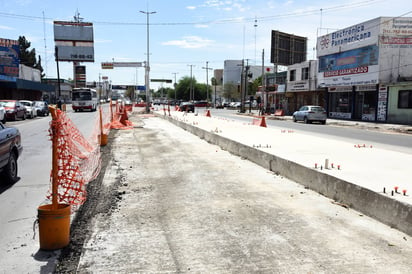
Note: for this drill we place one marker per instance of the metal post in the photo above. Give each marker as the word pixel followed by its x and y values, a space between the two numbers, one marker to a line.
pixel 192 95
pixel 58 72
pixel 147 67
pixel 207 80
pixel 175 84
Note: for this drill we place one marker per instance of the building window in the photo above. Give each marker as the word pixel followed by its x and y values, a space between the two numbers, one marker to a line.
pixel 292 75
pixel 305 73
pixel 405 99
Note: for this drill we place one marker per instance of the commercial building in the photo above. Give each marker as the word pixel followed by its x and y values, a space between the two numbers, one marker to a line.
pixel 367 70
pixel 302 87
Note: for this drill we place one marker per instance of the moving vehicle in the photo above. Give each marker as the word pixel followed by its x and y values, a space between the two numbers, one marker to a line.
pixel 201 104
pixel 42 108
pixel 187 106
pixel 10 150
pixel 84 99
pixel 31 111
pixel 14 109
pixel 309 114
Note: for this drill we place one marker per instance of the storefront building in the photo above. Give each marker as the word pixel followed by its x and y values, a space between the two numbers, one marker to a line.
pixel 272 94
pixel 302 88
pixel 363 68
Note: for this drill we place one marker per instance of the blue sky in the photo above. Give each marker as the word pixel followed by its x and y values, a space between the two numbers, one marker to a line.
pixel 182 32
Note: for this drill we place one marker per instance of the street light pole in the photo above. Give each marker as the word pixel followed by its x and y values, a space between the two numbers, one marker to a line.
pixel 207 81
pixel 175 84
pixel 147 67
pixel 191 95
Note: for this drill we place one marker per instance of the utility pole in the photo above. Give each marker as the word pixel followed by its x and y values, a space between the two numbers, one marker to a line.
pixel 207 80
pixel 191 95
pixel 147 66
pixel 175 85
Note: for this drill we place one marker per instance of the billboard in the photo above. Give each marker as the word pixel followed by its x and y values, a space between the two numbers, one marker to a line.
pixel 355 36
pixel 9 57
pixel 74 41
pixel 353 67
pixel 287 49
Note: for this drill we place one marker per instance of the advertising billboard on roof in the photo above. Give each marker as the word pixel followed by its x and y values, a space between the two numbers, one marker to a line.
pixel 74 41
pixel 287 49
pixel 9 57
pixel 352 37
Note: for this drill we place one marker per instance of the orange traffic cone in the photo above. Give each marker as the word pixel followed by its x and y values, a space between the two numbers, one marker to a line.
pixel 263 122
pixel 208 113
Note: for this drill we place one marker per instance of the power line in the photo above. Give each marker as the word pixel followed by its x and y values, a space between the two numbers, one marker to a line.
pixel 217 21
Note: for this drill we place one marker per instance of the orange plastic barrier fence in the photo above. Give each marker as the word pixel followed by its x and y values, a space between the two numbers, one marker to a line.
pixel 76 160
pixel 119 117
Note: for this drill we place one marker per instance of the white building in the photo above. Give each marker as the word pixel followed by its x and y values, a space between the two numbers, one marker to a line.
pixel 367 70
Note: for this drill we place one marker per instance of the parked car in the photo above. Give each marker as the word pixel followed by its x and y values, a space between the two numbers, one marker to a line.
pixel 187 106
pixel 310 114
pixel 14 109
pixel 235 104
pixel 31 111
pixel 10 151
pixel 42 108
pixel 2 114
pixel 201 104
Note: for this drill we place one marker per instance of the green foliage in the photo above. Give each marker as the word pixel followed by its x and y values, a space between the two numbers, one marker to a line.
pixel 253 87
pixel 231 91
pixel 28 57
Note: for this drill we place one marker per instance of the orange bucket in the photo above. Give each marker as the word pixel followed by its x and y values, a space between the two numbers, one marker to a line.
pixel 103 139
pixel 54 226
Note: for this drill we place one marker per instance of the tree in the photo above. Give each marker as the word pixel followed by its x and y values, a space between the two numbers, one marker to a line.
pixel 28 57
pixel 231 91
pixel 254 86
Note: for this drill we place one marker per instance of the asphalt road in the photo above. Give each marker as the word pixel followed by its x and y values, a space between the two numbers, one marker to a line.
pixel 19 248
pixel 363 132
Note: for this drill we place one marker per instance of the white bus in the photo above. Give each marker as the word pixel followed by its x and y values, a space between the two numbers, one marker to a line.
pixel 84 98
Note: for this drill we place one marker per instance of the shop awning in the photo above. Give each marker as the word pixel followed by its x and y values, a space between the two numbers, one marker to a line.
pixel 26 85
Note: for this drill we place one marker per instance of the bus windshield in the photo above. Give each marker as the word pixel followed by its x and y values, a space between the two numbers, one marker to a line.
pixel 82 96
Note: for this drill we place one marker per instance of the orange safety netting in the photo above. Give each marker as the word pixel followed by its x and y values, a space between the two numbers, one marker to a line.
pixel 120 118
pixel 78 159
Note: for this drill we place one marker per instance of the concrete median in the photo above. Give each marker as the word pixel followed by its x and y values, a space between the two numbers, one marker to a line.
pixel 391 212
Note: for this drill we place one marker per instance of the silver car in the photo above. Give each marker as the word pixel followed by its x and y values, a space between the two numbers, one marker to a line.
pixel 309 114
pixel 2 114
pixel 31 111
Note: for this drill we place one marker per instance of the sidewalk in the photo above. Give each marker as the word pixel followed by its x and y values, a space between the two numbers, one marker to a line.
pixel 356 176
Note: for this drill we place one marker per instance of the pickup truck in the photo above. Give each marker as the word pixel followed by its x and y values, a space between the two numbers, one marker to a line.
pixel 10 150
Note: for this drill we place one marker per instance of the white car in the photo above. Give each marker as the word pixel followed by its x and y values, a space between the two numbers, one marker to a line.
pixel 309 114
pixel 31 111
pixel 2 114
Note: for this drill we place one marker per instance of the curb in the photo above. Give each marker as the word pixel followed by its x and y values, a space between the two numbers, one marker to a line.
pixel 391 212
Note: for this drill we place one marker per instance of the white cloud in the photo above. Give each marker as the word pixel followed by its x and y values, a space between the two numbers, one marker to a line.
pixel 5 27
pixel 201 26
pixel 191 7
pixel 189 42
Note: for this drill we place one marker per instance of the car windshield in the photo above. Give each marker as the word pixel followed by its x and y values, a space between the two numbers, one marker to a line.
pixel 318 109
pixel 9 104
pixel 39 104
pixel 26 103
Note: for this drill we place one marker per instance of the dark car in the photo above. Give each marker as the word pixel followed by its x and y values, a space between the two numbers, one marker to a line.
pixel 42 108
pixel 14 109
pixel 187 106
pixel 10 150
pixel 201 104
